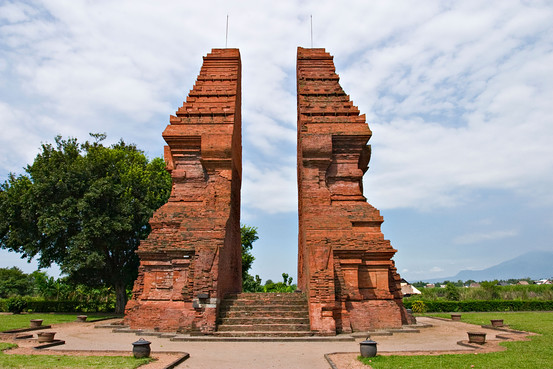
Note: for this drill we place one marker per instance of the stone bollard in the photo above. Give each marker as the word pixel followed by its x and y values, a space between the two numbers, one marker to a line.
pixel 456 317
pixel 497 322
pixel 477 337
pixel 35 323
pixel 82 318
pixel 45 336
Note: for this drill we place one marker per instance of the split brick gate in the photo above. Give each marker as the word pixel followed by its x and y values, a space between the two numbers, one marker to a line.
pixel 192 258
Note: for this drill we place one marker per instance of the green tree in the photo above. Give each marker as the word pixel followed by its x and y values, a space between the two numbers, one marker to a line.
pixel 491 288
pixel 249 236
pixel 451 292
pixel 85 207
pixel 13 282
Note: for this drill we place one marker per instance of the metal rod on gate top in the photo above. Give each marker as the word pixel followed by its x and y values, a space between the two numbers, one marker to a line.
pixel 311 30
pixel 226 34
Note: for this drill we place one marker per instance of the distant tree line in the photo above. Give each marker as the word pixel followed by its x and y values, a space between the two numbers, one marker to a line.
pixel 46 293
pixel 467 283
pixel 488 290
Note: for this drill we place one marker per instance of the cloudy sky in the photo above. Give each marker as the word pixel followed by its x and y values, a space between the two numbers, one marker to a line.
pixel 459 96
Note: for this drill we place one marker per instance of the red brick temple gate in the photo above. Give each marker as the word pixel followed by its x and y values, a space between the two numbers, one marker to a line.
pixel 344 263
pixel 191 260
pixel 192 257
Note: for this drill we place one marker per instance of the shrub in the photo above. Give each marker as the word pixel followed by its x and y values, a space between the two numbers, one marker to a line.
pixel 452 293
pixel 419 307
pixel 16 304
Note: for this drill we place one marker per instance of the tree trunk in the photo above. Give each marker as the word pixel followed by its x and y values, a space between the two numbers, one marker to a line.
pixel 120 298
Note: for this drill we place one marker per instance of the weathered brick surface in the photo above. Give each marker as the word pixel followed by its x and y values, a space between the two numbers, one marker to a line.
pixel 192 257
pixel 344 264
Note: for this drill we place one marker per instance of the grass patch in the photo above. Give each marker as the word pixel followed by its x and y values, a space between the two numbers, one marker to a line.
pixel 15 321
pixel 534 354
pixel 62 361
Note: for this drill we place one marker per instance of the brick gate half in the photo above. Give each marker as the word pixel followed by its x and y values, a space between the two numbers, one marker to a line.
pixel 344 263
pixel 192 257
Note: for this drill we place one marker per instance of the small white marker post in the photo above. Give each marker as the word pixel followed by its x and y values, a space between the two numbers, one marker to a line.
pixel 311 16
pixel 226 35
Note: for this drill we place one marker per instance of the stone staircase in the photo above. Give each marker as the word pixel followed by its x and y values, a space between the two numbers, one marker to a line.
pixel 264 315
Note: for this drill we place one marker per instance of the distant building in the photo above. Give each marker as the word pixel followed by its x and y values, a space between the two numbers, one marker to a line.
pixel 474 284
pixel 523 283
pixel 407 289
pixel 544 281
pixel 430 285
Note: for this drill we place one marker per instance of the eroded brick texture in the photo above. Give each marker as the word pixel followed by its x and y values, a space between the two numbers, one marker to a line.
pixel 192 257
pixel 345 265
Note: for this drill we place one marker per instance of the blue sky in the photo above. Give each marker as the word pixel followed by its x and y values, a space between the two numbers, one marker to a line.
pixel 458 96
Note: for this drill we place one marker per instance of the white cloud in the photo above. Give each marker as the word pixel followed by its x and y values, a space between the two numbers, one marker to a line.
pixel 270 190
pixel 474 238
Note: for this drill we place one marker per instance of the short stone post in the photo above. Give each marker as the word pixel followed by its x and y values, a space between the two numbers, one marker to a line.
pixel 35 323
pixel 456 317
pixel 45 337
pixel 477 337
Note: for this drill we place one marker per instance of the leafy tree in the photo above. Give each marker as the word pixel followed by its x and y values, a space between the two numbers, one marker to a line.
pixel 13 282
pixel 451 292
pixel 248 236
pixel 491 288
pixel 85 207
pixel 285 286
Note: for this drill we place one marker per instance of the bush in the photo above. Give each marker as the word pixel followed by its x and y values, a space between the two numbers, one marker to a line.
pixel 16 304
pixel 60 306
pixel 418 307
pixel 452 293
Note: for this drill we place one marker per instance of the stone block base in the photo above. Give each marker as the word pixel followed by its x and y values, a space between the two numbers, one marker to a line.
pixel 162 316
pixel 374 314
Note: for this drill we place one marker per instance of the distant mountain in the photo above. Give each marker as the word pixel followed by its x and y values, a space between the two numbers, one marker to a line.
pixel 533 264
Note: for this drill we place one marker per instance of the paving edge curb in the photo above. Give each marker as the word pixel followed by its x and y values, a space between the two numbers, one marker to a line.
pixel 475 346
pixel 182 358
pixel 329 360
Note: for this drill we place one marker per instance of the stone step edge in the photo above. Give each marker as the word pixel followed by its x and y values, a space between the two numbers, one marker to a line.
pixel 263 339
pixel 264 320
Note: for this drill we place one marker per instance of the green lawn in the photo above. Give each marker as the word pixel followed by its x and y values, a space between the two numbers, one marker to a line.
pixel 61 361
pixel 57 361
pixel 534 354
pixel 14 321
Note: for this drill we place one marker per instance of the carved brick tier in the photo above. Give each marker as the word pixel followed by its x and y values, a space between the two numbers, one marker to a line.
pixel 344 264
pixel 192 257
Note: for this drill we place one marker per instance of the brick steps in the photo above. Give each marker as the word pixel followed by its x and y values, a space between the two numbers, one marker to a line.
pixel 256 327
pixel 257 320
pixel 252 312
pixel 263 334
pixel 264 315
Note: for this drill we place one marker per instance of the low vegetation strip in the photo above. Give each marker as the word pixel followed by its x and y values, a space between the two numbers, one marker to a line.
pixel 15 321
pixel 483 305
pixel 537 353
